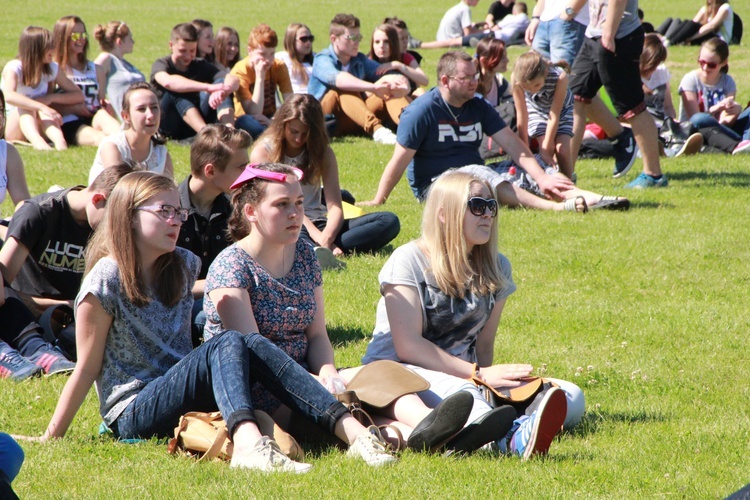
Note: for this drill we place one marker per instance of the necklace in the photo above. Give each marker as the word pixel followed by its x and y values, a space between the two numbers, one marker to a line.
pixel 448 107
pixel 283 271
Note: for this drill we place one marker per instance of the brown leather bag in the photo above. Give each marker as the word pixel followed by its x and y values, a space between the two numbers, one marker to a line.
pixel 206 435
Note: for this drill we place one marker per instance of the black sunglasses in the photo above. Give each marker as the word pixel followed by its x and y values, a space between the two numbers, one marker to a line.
pixel 478 206
pixel 305 39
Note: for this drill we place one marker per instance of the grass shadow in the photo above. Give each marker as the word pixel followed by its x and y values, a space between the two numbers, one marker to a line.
pixel 592 421
pixel 733 179
pixel 650 204
pixel 341 336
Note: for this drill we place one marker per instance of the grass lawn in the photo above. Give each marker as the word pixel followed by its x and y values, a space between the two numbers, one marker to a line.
pixel 644 310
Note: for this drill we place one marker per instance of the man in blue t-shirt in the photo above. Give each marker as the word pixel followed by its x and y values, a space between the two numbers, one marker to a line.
pixel 443 129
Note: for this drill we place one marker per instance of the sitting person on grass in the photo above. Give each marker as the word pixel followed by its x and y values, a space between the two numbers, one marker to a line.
pixel 444 128
pixel 134 307
pixel 442 299
pixel 179 80
pixel 298 137
pixel 139 141
pixel 218 156
pixel 342 75
pixel 298 56
pixel 42 263
pixel 260 76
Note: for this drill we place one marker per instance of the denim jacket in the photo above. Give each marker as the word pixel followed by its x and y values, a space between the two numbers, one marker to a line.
pixel 326 67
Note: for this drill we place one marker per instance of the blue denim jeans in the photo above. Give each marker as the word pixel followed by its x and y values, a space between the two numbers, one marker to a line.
pixel 11 457
pixel 218 375
pixel 739 131
pixel 559 40
pixel 367 233
pixel 250 125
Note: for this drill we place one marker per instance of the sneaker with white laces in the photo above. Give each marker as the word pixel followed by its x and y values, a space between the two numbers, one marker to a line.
pixel 267 457
pixel 51 360
pixel 536 432
pixel 383 135
pixel 14 366
pixel 369 446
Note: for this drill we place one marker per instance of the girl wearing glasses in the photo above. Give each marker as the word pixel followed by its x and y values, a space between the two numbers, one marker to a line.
pixel 707 98
pixel 133 315
pixel 298 55
pixel 87 123
pixel 298 137
pixel 442 298
pixel 28 83
pixel 116 40
pixel 139 142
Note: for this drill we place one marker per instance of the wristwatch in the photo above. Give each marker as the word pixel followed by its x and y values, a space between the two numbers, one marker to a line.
pixel 570 12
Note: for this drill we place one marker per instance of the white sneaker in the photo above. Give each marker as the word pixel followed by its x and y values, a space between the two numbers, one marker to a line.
pixel 327 260
pixel 383 135
pixel 267 457
pixel 369 447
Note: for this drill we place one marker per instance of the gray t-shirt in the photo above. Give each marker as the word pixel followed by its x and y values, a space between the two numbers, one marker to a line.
pixel 143 342
pixel 451 324
pixel 708 95
pixel 598 13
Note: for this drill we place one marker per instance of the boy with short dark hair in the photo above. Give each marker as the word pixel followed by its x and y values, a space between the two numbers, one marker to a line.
pixel 218 156
pixel 179 78
pixel 42 264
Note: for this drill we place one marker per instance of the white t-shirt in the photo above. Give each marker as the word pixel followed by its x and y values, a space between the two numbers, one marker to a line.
pixel 299 86
pixel 454 21
pixel 31 92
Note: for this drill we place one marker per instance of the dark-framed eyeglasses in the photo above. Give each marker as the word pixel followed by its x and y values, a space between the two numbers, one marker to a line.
pixel 478 206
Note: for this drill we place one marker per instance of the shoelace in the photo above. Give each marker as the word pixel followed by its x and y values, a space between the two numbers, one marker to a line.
pixel 13 358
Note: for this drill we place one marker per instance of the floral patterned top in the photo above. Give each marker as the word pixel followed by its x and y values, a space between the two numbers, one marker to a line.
pixel 283 307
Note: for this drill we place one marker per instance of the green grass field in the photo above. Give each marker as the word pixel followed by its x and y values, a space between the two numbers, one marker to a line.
pixel 643 309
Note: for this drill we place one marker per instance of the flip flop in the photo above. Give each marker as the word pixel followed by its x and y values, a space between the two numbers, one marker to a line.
pixel 611 203
pixel 571 205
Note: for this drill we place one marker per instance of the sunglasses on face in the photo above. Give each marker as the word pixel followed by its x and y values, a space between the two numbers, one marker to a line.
pixel 167 212
pixel 709 65
pixel 478 206
pixel 305 39
pixel 79 36
pixel 353 38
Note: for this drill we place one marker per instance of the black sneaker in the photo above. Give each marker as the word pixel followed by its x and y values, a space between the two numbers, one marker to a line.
pixel 626 150
pixel 14 366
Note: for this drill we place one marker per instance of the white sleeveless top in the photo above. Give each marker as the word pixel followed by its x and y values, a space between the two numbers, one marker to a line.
pixel 154 162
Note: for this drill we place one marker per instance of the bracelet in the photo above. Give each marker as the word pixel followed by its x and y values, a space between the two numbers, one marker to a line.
pixel 535 17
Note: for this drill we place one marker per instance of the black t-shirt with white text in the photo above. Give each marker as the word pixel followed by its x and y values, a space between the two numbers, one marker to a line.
pixel 56 243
